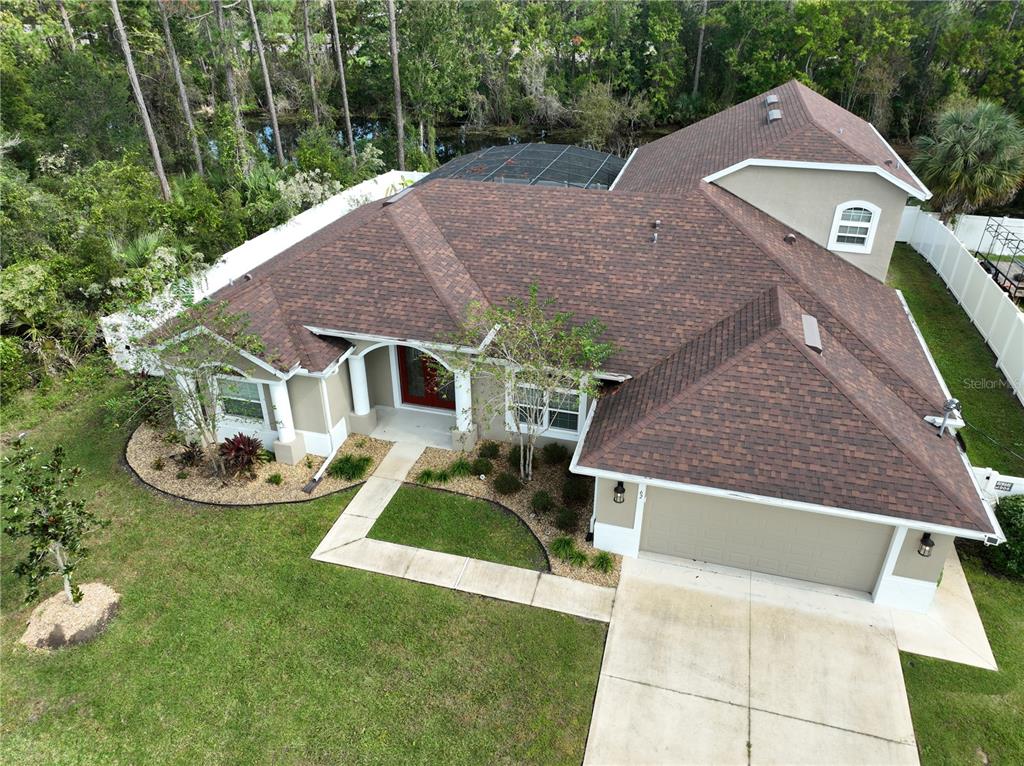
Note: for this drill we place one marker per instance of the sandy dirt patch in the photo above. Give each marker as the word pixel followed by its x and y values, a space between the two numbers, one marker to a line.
pixel 57 622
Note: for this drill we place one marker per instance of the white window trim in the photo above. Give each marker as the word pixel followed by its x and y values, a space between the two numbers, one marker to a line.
pixel 846 247
pixel 223 417
pixel 559 433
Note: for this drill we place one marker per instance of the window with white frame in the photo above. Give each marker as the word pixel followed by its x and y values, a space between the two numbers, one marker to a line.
pixel 561 414
pixel 853 227
pixel 241 399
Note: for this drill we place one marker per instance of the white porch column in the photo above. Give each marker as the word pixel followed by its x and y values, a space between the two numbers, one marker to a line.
pixel 282 412
pixel 463 401
pixel 360 389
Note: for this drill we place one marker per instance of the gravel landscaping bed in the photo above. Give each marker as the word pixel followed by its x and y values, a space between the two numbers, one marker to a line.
pixel 149 448
pixel 545 477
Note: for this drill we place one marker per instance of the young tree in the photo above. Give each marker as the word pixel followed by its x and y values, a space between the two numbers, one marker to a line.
pixel 271 107
pixel 172 54
pixel 537 358
pixel 396 82
pixel 336 42
pixel 41 509
pixel 309 63
pixel 147 125
pixel 974 157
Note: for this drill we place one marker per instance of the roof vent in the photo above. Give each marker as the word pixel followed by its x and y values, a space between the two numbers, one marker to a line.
pixel 812 336
pixel 247 277
pixel 771 99
pixel 790 238
pixel 774 114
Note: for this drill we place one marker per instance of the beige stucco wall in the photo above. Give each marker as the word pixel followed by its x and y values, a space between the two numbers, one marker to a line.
pixel 607 511
pixel 911 564
pixel 489 413
pixel 307 404
pixel 806 200
pixel 378 377
pixel 790 543
pixel 339 394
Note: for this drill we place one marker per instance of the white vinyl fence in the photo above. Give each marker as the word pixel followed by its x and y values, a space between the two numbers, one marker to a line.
pixel 995 485
pixel 997 318
pixel 122 329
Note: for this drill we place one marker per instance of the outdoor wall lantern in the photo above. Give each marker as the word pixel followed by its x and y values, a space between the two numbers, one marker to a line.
pixel 620 493
pixel 925 548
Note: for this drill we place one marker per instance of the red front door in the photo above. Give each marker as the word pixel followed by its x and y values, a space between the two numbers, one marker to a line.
pixel 419 381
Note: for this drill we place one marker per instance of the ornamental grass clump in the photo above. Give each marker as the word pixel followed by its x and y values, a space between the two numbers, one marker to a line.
pixel 349 467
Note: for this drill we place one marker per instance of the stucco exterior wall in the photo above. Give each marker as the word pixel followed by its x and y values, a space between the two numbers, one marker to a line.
pixel 307 404
pixel 911 564
pixel 807 546
pixel 378 377
pixel 489 414
pixel 607 511
pixel 806 200
pixel 339 394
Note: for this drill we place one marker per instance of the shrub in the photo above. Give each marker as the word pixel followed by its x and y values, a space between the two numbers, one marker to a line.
pixel 577 558
pixel 562 547
pixel 489 450
pixel 181 475
pixel 513 458
pixel 602 562
pixel 1008 558
pixel 433 476
pixel 276 479
pixel 567 519
pixel 14 372
pixel 158 464
pixel 576 490
pixel 460 467
pixel 482 467
pixel 555 453
pixel 242 453
pixel 507 483
pixel 350 467
pixel 542 502
pixel 192 455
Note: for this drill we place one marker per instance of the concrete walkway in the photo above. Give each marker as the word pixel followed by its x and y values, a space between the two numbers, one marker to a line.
pixel 346 544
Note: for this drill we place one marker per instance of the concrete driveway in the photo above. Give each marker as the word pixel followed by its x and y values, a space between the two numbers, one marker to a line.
pixel 707 668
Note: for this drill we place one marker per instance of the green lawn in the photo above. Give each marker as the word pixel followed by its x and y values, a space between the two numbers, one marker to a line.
pixel 965 715
pixel 965 361
pixel 442 521
pixel 233 647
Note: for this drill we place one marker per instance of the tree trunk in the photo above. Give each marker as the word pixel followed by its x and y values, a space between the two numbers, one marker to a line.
pixel 227 48
pixel 58 555
pixel 309 63
pixel 66 21
pixel 393 41
pixel 423 146
pixel 700 49
pixel 266 82
pixel 341 77
pixel 154 149
pixel 182 93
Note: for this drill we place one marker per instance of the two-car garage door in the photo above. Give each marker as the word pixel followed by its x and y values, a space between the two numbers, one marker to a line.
pixel 806 546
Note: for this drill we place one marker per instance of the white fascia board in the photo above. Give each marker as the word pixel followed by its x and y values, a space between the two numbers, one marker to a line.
pixel 906 166
pixel 400 341
pixel 819 166
pixel 244 354
pixel 796 505
pixel 326 372
pixel 629 159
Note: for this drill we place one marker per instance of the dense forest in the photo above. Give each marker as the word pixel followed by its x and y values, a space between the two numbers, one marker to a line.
pixel 141 139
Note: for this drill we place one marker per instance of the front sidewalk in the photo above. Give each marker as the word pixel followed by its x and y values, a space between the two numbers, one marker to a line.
pixel 346 544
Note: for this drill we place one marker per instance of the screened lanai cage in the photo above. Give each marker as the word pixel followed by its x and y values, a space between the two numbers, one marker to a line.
pixel 535 165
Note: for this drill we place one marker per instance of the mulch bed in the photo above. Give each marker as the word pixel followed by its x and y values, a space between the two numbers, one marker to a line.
pixel 546 477
pixel 152 454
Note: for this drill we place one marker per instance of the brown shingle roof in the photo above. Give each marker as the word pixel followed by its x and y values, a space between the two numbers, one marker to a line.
pixel 747 406
pixel 812 129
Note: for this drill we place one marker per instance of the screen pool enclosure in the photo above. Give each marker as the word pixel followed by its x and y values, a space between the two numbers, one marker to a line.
pixel 535 165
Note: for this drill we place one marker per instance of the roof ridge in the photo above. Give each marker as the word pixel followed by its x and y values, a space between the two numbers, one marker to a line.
pixel 853 395
pixel 447 274
pixel 835 311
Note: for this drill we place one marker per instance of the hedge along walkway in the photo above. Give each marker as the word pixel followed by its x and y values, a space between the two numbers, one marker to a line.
pixel 346 544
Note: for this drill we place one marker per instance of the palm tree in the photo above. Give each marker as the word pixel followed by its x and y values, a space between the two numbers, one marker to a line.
pixel 147 125
pixel 973 157
pixel 393 41
pixel 271 107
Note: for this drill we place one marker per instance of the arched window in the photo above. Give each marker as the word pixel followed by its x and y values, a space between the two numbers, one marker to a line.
pixel 853 227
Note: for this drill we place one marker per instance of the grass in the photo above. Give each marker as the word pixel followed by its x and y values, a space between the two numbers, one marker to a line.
pixel 966 363
pixel 464 526
pixel 233 647
pixel 965 715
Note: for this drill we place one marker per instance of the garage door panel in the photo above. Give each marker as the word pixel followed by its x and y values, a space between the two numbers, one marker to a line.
pixel 789 543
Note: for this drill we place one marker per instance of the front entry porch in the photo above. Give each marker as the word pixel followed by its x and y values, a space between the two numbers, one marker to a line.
pixel 430 429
